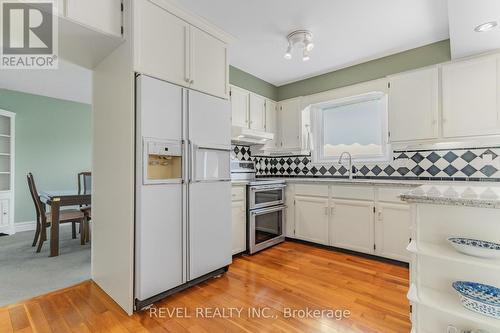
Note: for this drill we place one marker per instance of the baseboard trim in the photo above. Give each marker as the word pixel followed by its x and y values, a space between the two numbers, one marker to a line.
pixel 25 226
pixel 355 253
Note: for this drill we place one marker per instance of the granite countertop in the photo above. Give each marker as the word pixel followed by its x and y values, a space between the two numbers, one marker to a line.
pixel 346 181
pixel 470 195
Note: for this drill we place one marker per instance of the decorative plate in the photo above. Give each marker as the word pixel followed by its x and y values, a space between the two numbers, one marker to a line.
pixel 476 248
pixel 479 298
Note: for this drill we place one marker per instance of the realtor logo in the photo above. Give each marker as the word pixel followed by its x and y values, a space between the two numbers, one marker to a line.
pixel 29 34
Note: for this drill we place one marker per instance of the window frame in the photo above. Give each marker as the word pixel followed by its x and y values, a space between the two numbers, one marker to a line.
pixel 317 128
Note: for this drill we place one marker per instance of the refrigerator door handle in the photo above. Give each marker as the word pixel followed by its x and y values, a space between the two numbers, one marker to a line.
pixel 214 147
pixel 192 163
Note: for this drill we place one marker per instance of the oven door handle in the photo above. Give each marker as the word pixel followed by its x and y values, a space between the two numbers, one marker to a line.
pixel 269 188
pixel 268 210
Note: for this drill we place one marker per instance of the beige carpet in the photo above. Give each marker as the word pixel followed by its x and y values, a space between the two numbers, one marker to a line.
pixel 25 274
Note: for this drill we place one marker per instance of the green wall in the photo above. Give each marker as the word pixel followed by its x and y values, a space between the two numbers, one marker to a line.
pixel 53 141
pixel 371 70
pixel 252 83
pixel 415 58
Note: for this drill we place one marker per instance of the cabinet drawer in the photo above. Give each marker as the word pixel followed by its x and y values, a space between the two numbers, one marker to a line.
pixel 392 194
pixel 238 193
pixel 311 190
pixel 356 192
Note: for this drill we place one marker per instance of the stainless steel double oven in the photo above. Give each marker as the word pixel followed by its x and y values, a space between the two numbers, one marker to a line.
pixel 266 214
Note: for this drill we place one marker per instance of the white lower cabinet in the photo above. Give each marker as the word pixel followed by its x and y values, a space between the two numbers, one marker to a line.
pixel 351 225
pixel 239 220
pixel 360 218
pixel 392 231
pixel 311 219
pixel 290 211
pixel 4 217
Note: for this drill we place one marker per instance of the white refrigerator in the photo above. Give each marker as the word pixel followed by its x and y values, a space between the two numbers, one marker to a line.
pixel 183 188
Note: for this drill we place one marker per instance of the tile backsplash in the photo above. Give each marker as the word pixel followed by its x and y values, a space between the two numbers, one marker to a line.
pixel 439 164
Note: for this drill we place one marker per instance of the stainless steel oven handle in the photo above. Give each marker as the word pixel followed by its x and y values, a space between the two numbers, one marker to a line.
pixel 267 187
pixel 268 210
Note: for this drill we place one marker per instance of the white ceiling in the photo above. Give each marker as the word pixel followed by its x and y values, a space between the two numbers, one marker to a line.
pixel 465 15
pixel 346 32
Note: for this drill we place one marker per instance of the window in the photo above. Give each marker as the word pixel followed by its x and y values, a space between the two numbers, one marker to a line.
pixel 355 124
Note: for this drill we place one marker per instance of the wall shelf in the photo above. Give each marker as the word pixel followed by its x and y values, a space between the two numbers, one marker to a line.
pixel 450 304
pixel 7 158
pixel 435 265
pixel 446 252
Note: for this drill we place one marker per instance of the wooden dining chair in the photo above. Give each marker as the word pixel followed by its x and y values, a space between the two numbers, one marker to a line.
pixel 44 219
pixel 85 187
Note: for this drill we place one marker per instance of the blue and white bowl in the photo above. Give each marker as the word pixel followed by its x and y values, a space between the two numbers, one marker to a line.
pixel 479 298
pixel 475 247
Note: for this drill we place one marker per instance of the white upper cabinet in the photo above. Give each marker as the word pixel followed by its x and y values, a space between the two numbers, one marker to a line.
pixel 471 97
pixel 253 111
pixel 257 112
pixel 290 124
pixel 102 15
pixel 169 48
pixel 161 43
pixel 272 123
pixel 414 105
pixel 209 64
pixel 311 219
pixel 240 103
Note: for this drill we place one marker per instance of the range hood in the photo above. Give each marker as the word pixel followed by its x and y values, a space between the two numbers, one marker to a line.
pixel 249 137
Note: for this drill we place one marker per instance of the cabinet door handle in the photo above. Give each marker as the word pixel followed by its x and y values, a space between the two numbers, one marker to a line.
pixel 191 81
pixel 380 216
pixel 332 210
pixel 187 80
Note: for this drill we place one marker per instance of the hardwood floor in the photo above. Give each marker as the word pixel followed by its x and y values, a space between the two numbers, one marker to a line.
pixel 287 276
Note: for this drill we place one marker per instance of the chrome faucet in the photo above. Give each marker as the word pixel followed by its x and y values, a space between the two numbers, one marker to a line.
pixel 350 162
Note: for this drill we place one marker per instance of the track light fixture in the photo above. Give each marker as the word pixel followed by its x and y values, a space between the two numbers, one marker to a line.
pixel 300 39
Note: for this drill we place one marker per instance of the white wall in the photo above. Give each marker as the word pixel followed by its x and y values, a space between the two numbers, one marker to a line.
pixel 113 174
pixel 70 82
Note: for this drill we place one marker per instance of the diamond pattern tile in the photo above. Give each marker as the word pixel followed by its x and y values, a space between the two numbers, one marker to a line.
pixel 403 171
pixel 488 170
pixel 442 163
pixel 468 170
pixel 417 158
pixel 389 170
pixel 489 152
pixel 450 156
pixel 418 170
pixel 433 157
pixel 433 170
pixel 364 170
pixel 450 170
pixel 376 170
pixel 468 156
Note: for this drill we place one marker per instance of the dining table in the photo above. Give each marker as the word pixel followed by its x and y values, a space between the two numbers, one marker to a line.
pixel 56 200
